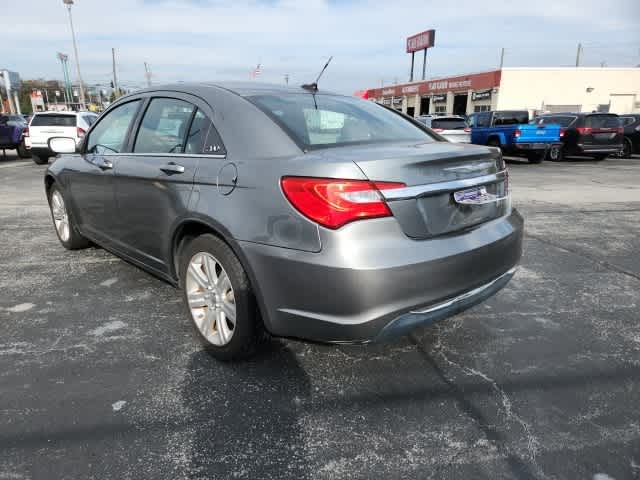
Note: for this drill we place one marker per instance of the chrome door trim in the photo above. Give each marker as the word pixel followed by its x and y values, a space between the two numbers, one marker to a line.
pixel 163 155
pixel 416 191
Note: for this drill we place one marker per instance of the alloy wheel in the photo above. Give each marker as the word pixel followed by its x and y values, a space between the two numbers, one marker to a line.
pixel 60 216
pixel 211 298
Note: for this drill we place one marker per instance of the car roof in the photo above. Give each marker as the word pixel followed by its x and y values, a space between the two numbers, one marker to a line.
pixel 243 89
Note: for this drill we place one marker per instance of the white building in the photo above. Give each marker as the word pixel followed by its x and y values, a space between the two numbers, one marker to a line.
pixel 549 89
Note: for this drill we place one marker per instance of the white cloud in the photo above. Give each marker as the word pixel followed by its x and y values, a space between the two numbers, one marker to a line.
pixel 200 40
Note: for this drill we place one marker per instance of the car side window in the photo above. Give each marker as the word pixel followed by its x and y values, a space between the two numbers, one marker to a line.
pixel 164 126
pixel 483 119
pixel 203 137
pixel 109 135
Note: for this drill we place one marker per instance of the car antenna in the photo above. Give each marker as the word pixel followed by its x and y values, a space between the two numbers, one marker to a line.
pixel 313 87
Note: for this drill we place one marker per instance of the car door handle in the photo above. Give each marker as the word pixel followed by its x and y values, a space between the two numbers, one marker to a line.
pixel 171 168
pixel 104 164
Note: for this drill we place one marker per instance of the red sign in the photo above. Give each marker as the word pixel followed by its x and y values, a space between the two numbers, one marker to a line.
pixel 421 41
pixel 462 83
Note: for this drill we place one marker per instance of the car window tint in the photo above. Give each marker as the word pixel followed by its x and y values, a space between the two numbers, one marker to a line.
pixel 483 120
pixel 627 121
pixel 109 134
pixel 602 121
pixel 53 120
pixel 562 121
pixel 164 126
pixel 511 118
pixel 449 123
pixel 89 119
pixel 203 137
pixel 317 121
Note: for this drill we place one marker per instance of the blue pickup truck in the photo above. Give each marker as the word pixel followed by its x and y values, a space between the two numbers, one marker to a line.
pixel 511 132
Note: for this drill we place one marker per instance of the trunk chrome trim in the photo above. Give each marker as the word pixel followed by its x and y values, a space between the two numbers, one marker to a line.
pixel 417 191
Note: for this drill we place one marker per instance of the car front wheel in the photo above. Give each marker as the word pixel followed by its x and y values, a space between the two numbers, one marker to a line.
pixel 219 299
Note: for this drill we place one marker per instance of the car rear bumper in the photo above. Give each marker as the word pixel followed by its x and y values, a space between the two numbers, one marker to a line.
pixel 370 282
pixel 41 151
pixel 537 145
pixel 587 149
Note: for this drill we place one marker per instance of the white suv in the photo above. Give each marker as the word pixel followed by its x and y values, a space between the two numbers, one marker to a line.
pixel 45 125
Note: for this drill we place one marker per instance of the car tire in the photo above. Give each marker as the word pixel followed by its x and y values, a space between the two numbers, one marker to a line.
pixel 40 160
pixel 535 157
pixel 600 156
pixel 627 149
pixel 63 223
pixel 215 288
pixel 22 151
pixel 555 154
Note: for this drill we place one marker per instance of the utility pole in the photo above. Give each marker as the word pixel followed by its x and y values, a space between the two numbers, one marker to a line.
pixel 68 3
pixel 115 78
pixel 147 73
pixel 578 54
pixel 501 57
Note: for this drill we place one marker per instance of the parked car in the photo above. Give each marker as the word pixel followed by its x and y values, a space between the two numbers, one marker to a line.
pixel 12 128
pixel 596 135
pixel 631 142
pixel 45 125
pixel 511 132
pixel 452 127
pixel 308 215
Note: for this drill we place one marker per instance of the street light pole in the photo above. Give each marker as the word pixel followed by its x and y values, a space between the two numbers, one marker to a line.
pixel 69 3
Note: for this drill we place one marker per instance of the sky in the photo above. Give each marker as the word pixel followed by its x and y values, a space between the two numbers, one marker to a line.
pixel 196 40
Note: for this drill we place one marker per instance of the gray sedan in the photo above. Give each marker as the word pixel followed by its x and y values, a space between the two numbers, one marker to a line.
pixel 288 211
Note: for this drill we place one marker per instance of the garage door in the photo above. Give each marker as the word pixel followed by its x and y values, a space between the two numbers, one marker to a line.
pixel 562 108
pixel 621 103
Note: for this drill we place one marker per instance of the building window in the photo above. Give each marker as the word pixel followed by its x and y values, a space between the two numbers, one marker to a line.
pixel 482 108
pixel 441 109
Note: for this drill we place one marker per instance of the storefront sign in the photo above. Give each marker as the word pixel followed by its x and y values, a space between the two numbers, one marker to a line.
pixel 421 41
pixel 410 89
pixel 439 98
pixel 397 101
pixel 386 101
pixel 476 81
pixel 481 95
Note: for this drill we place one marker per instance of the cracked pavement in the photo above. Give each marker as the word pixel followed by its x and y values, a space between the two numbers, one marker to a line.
pixel 100 376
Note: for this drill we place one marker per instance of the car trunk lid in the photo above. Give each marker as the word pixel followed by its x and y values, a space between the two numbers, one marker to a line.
pixel 450 187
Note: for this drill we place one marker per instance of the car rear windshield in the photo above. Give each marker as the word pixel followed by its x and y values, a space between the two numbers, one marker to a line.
pixel 562 121
pixel 602 121
pixel 449 123
pixel 319 121
pixel 53 121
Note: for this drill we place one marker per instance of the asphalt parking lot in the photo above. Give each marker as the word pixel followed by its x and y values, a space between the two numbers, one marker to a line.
pixel 100 376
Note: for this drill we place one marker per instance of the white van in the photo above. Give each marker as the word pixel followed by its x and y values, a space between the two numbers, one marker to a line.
pixel 45 125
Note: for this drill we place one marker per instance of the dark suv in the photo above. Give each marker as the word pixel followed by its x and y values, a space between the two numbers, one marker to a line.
pixel 596 135
pixel 631 141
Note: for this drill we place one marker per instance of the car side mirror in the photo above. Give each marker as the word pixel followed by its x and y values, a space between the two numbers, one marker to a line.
pixel 62 145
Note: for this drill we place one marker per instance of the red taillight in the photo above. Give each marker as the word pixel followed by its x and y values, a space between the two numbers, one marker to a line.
pixel 620 130
pixel 467 130
pixel 585 130
pixel 438 130
pixel 25 132
pixel 562 130
pixel 333 203
pixel 81 132
pixel 517 133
